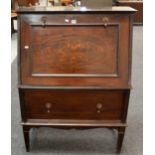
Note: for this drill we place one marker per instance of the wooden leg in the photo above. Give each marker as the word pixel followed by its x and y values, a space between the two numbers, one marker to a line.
pixel 26 138
pixel 121 132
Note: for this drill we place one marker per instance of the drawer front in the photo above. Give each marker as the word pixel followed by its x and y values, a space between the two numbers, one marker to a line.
pixel 44 104
pixel 45 20
pixel 54 53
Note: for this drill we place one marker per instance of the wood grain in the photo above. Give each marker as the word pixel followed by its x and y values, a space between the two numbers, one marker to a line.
pixel 96 53
pixel 74 104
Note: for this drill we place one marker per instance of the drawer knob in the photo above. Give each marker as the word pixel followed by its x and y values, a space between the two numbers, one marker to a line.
pixel 105 20
pixel 48 107
pixel 44 20
pixel 99 107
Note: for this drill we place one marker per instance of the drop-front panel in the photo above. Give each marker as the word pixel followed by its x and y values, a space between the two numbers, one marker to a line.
pixel 74 68
pixel 85 49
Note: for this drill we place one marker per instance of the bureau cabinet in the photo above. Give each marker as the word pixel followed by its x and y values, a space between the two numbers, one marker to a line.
pixel 74 67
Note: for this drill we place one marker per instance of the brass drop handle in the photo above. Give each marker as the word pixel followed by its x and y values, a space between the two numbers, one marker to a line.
pixel 99 106
pixel 67 20
pixel 105 20
pixel 72 21
pixel 44 20
pixel 48 107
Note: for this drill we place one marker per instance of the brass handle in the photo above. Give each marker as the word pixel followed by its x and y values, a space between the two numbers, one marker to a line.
pixel 99 106
pixel 105 20
pixel 73 21
pixel 67 20
pixel 44 20
pixel 48 107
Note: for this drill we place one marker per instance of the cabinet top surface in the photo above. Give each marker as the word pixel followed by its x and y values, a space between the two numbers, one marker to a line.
pixel 66 9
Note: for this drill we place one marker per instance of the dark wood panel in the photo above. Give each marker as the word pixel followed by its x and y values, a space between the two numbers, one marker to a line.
pixel 13 4
pixel 43 104
pixel 138 5
pixel 96 53
pixel 74 54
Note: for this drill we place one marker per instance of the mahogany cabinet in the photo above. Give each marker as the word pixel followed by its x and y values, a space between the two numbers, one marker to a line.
pixel 74 67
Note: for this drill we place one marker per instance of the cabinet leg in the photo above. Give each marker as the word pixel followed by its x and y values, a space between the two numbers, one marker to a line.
pixel 121 132
pixel 26 138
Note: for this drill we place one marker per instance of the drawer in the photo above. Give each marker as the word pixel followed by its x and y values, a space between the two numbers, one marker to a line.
pixel 76 104
pixel 71 19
